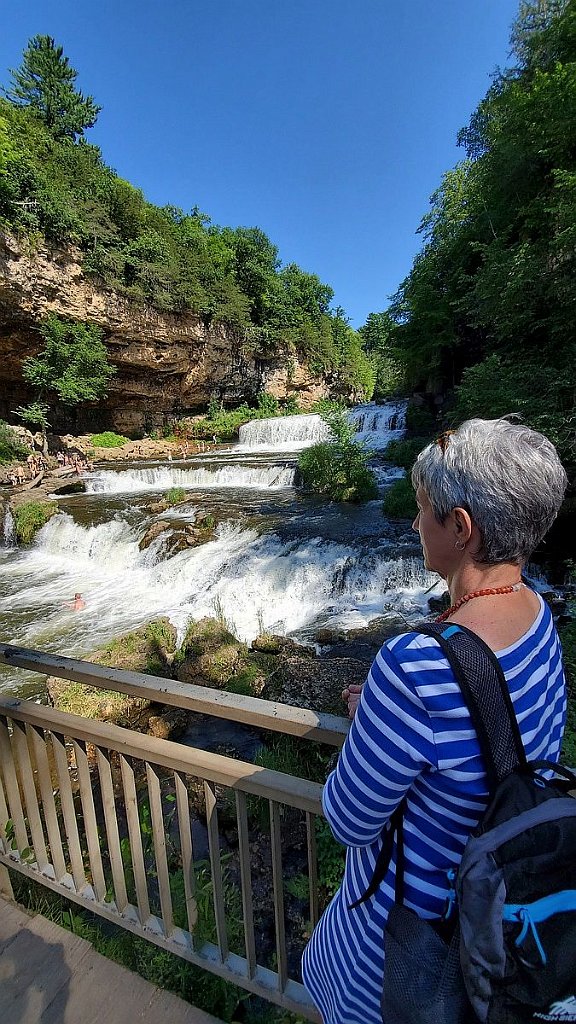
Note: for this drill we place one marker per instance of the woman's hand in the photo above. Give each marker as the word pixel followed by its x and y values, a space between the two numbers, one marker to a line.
pixel 352 697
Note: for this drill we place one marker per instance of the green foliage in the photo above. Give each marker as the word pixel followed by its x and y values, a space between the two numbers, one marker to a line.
pixel 11 447
pixel 175 495
pixel 377 340
pixel 45 82
pixel 168 258
pixel 399 501
pixel 404 452
pixel 542 394
pixel 73 363
pixel 420 421
pixel 34 415
pixel 338 468
pixel 108 439
pixel 30 517
pixel 300 758
pixel 488 305
pixel 331 859
pixel 568 640
pixel 267 404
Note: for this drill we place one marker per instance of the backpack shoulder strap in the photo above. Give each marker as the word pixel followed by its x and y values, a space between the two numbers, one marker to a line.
pixel 485 690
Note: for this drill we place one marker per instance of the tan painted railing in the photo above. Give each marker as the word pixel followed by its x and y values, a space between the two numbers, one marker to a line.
pixel 108 818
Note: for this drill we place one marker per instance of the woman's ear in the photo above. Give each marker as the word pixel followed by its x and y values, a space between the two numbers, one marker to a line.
pixel 462 524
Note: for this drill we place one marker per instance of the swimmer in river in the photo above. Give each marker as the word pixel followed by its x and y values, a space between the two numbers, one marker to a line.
pixel 77 604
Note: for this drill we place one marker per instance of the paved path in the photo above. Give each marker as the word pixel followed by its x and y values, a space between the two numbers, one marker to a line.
pixel 50 976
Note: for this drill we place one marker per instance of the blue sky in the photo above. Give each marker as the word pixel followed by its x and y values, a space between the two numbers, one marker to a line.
pixel 327 123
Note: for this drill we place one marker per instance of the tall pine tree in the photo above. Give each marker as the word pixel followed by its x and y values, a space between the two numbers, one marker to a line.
pixel 45 81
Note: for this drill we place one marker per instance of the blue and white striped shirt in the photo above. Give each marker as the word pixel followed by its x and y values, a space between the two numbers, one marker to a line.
pixel 412 735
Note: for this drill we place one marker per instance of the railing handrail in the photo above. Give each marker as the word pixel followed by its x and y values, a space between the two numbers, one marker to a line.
pixel 254 711
pixel 217 768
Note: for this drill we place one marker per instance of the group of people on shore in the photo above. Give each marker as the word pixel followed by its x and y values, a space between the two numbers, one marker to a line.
pixel 35 464
pixel 75 460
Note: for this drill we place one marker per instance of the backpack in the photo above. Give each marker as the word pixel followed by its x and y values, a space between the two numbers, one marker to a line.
pixel 505 950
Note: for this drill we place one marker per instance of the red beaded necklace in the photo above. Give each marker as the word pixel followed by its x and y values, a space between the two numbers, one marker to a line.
pixel 488 592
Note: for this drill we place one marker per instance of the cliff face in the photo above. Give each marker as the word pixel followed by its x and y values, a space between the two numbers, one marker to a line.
pixel 167 363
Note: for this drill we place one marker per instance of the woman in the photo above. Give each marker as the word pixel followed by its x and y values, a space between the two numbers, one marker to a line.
pixel 486 493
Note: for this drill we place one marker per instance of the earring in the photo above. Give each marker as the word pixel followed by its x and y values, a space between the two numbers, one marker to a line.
pixel 460 545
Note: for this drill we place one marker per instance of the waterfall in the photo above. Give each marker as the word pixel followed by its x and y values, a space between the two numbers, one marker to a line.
pixel 162 478
pixel 376 425
pixel 284 432
pixel 8 535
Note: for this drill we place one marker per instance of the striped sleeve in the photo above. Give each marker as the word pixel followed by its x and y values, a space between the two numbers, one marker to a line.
pixel 390 743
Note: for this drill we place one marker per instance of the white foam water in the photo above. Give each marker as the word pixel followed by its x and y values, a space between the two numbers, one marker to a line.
pixel 162 478
pixel 375 425
pixel 252 582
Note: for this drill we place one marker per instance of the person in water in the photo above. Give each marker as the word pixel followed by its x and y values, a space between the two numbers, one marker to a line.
pixel 487 494
pixel 77 604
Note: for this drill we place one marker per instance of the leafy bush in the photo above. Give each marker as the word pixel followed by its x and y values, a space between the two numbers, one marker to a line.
pixel 30 517
pixel 338 469
pixel 108 439
pixel 175 495
pixel 420 420
pixel 11 447
pixel 399 500
pixel 404 452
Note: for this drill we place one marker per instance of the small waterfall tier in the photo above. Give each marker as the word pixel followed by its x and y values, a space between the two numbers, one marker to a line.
pixel 376 425
pixel 283 432
pixel 162 478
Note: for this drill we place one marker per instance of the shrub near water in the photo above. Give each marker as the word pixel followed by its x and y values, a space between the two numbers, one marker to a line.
pixel 30 517
pixel 339 468
pixel 11 447
pixel 109 440
pixel 399 501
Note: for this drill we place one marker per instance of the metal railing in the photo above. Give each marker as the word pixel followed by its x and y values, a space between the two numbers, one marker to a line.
pixel 163 839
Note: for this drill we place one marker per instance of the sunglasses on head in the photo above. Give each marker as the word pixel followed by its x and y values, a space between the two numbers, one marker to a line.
pixel 444 439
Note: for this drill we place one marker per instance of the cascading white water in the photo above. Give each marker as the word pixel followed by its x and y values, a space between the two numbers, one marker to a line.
pixel 251 580
pixel 254 582
pixel 375 425
pixel 284 432
pixel 162 478
pixel 8 533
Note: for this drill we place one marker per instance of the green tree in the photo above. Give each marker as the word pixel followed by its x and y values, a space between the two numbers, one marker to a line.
pixel 45 81
pixel 73 365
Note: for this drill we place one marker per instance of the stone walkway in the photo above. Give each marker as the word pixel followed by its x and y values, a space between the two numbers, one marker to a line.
pixel 50 976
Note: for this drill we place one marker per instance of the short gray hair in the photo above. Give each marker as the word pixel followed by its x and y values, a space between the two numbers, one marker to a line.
pixel 507 477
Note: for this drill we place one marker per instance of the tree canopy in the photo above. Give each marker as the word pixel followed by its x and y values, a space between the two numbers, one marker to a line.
pixel 45 82
pixel 488 307
pixel 73 364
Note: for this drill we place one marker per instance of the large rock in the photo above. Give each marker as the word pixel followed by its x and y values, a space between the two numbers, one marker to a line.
pixel 212 656
pixel 314 683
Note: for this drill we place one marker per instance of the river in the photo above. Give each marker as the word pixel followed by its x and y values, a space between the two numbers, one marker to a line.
pixel 280 561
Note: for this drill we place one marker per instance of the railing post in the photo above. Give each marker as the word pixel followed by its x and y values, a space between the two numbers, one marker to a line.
pixel 6 889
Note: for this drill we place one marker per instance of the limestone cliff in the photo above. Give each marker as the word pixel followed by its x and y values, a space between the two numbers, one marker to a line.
pixel 167 363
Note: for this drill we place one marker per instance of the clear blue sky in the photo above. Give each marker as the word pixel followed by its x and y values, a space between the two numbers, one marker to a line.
pixel 327 123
